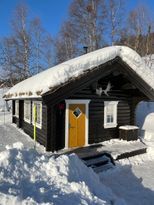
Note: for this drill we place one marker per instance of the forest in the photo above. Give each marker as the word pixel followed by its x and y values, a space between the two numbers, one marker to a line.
pixel 90 25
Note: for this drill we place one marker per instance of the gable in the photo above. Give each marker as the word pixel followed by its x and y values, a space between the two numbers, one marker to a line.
pixel 58 76
pixel 107 72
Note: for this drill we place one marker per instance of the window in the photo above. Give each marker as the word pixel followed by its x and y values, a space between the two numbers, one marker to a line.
pixel 38 105
pixel 110 114
pixel 77 112
pixel 27 111
pixel 17 108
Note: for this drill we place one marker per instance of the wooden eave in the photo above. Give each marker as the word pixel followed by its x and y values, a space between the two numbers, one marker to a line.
pixel 74 85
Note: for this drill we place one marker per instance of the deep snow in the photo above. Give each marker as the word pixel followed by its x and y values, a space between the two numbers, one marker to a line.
pixel 29 178
pixel 133 179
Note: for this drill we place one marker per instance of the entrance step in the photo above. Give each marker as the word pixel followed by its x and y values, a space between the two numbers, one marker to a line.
pixel 102 156
pixel 99 162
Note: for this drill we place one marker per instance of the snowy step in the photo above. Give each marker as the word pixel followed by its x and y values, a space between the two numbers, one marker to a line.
pixel 103 167
pixel 100 162
pixel 97 161
pixel 132 153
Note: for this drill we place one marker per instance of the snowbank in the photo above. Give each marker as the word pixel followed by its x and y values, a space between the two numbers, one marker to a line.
pixel 29 178
pixel 5 116
pixel 2 101
pixel 145 118
pixel 60 74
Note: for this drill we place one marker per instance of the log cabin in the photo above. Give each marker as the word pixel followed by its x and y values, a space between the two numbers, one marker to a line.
pixel 84 100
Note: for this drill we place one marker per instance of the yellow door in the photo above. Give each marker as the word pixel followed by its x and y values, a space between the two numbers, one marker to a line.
pixel 76 125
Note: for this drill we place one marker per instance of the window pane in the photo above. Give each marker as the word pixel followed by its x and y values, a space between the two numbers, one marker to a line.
pixel 111 118
pixel 108 118
pixel 110 109
pixel 27 110
pixel 38 112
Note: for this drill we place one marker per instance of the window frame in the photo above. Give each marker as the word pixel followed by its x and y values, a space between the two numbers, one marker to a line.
pixel 39 125
pixel 16 114
pixel 115 108
pixel 30 116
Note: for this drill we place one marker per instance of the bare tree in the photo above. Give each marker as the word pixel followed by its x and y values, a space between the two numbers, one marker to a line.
pixel 139 28
pixel 41 44
pixel 88 18
pixel 21 39
pixel 26 50
pixel 115 19
pixel 66 43
pixel 85 27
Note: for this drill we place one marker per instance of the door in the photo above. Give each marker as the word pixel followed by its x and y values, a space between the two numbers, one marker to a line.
pixel 77 118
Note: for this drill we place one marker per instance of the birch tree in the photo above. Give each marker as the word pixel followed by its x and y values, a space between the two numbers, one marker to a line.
pixel 115 19
pixel 26 49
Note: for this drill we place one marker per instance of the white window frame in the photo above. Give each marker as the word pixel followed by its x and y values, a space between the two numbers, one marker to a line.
pixel 39 125
pixel 27 103
pixel 115 106
pixel 17 108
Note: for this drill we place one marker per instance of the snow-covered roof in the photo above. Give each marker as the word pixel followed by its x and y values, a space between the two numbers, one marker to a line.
pixel 58 75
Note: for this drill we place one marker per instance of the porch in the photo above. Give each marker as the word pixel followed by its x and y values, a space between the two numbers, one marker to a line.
pixel 102 156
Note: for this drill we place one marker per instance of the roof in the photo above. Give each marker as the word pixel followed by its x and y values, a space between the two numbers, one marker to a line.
pixel 57 76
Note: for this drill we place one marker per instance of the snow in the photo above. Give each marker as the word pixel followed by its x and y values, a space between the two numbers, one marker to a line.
pixel 128 127
pixel 145 118
pixel 132 179
pixel 117 147
pixel 5 115
pixel 29 178
pixel 58 75
pixel 9 134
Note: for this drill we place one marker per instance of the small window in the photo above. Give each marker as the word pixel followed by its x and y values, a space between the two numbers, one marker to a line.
pixel 17 108
pixel 110 114
pixel 38 105
pixel 27 111
pixel 77 112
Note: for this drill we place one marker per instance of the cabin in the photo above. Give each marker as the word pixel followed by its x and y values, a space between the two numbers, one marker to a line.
pixel 84 100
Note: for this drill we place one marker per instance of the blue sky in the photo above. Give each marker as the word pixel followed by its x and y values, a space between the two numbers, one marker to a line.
pixel 51 12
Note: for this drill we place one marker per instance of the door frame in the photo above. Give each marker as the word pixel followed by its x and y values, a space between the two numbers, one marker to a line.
pixel 75 101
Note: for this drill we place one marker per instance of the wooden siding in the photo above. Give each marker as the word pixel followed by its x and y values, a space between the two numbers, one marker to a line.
pixel 52 134
pixel 97 132
pixel 41 134
pixel 85 88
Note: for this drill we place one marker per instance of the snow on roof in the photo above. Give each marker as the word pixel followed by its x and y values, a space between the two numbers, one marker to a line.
pixel 149 60
pixel 47 80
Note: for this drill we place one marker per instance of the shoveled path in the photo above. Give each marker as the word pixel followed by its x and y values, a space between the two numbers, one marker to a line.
pixel 10 134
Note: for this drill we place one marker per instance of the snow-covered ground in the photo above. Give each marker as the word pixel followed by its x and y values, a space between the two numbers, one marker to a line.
pixel 30 176
pixel 5 115
pixel 132 179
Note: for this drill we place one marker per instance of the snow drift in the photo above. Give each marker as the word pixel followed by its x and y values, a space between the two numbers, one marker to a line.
pixel 30 178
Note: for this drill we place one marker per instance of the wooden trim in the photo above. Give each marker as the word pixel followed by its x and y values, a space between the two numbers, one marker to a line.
pixel 25 104
pixel 91 76
pixel 114 124
pixel 78 83
pixel 68 102
pixel 16 113
pixel 38 125
pixel 136 79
